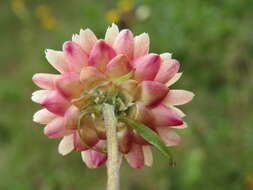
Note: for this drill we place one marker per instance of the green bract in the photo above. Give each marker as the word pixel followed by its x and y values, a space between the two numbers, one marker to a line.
pixel 150 136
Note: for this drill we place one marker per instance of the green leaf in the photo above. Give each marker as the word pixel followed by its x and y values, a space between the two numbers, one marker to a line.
pixel 150 136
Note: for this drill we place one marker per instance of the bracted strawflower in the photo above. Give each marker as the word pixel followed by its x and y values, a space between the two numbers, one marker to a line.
pixel 111 100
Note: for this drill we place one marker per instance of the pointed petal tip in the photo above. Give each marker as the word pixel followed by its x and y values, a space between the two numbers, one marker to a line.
pixel 167 70
pixel 66 145
pixel 166 56
pixel 43 116
pixel 178 111
pixel 174 79
pixel 39 95
pixel 111 33
pixel 87 39
pixel 141 45
pixel 57 60
pixel 164 116
pixel 44 80
pixel 178 97
pixel 183 126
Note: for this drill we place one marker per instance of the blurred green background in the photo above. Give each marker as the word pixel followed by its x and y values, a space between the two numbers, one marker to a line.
pixel 212 39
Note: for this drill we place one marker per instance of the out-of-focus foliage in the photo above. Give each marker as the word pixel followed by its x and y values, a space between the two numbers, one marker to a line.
pixel 212 39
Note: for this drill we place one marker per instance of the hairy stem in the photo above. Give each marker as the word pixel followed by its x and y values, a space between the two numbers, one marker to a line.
pixel 113 160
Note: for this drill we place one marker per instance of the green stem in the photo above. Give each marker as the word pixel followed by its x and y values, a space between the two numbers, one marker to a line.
pixel 113 158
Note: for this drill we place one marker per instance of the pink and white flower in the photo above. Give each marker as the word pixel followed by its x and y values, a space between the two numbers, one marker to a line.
pixel 89 72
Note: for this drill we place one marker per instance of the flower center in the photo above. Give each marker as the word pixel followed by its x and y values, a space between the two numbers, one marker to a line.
pixel 109 92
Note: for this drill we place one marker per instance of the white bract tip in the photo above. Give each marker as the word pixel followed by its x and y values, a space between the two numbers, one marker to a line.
pixel 165 57
pixel 174 79
pixel 111 34
pixel 39 95
pixel 148 156
pixel 43 116
pixel 66 145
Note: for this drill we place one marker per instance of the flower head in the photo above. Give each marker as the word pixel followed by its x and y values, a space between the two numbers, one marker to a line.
pixel 118 70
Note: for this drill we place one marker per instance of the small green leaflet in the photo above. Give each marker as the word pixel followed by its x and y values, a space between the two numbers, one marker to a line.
pixel 150 136
pixel 124 77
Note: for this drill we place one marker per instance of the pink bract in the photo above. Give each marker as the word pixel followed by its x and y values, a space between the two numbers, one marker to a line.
pixel 87 63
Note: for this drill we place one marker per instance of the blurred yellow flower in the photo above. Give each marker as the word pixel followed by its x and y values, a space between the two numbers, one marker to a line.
pixel 48 23
pixel 47 20
pixel 125 5
pixel 42 10
pixel 112 16
pixel 248 180
pixel 18 6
